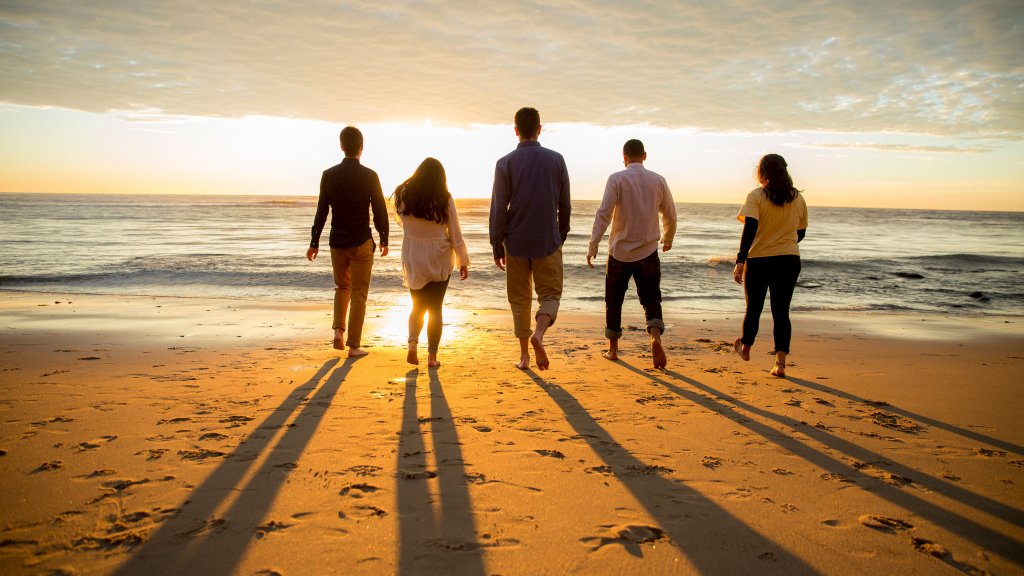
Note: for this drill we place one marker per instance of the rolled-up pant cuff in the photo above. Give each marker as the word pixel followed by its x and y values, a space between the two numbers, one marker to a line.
pixel 549 309
pixel 612 334
pixel 656 323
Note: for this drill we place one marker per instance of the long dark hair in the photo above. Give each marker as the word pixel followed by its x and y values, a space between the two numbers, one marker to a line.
pixel 774 177
pixel 425 194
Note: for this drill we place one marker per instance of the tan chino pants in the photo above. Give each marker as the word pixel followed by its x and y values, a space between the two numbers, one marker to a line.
pixel 522 277
pixel 352 268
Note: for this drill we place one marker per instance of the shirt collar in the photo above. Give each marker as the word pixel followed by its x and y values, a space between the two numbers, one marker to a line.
pixel 528 143
pixel 350 160
pixel 635 166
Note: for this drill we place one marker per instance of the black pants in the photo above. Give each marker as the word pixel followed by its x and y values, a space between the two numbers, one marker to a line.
pixel 428 299
pixel 775 275
pixel 646 274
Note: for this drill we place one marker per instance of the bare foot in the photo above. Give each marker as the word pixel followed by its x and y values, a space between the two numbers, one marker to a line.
pixel 742 349
pixel 338 339
pixel 658 353
pixel 524 354
pixel 613 350
pixel 538 351
pixel 411 356
pixel 432 361
pixel 356 352
pixel 779 370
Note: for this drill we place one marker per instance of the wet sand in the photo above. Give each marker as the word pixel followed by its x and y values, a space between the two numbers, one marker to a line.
pixel 171 436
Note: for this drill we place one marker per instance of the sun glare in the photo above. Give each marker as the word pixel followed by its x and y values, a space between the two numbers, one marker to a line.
pixel 392 325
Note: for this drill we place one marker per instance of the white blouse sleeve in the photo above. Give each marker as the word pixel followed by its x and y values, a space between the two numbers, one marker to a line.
pixel 455 236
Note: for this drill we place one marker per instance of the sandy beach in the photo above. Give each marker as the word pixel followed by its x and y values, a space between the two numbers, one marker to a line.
pixel 184 436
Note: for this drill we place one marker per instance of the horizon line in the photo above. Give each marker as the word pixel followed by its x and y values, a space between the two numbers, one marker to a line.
pixel 313 197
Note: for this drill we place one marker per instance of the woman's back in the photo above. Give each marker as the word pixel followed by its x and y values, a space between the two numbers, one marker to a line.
pixel 776 225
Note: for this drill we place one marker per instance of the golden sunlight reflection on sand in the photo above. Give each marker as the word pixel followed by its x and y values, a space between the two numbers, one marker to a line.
pixel 393 327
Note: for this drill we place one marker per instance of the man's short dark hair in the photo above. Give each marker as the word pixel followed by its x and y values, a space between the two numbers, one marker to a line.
pixel 633 148
pixel 528 122
pixel 351 140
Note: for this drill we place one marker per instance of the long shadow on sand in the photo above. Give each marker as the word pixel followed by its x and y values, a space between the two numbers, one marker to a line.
pixel 1001 444
pixel 970 529
pixel 195 540
pixel 433 540
pixel 714 540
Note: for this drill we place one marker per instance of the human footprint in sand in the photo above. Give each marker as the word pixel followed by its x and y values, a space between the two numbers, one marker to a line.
pixel 431 248
pixel 349 191
pixel 529 222
pixel 774 222
pixel 633 199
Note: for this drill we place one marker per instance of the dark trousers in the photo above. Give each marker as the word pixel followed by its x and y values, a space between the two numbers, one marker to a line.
pixel 646 274
pixel 428 299
pixel 776 275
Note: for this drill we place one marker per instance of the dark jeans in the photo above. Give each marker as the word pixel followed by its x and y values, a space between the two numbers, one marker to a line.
pixel 428 299
pixel 776 275
pixel 646 274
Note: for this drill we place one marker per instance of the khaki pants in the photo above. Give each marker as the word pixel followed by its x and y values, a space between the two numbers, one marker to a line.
pixel 352 267
pixel 522 276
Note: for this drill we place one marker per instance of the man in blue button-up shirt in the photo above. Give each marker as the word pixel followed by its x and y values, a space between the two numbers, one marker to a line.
pixel 529 223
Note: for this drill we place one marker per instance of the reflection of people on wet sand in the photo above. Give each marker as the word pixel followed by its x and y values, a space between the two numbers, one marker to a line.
pixel 529 222
pixel 431 247
pixel 348 190
pixel 633 198
pixel 774 221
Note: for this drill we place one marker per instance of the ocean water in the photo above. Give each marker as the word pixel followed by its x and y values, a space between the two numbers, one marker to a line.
pixel 254 248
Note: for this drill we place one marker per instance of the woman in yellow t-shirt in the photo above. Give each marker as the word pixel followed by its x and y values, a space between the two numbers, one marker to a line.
pixel 774 221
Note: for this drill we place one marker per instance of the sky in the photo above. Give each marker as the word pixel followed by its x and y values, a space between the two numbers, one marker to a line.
pixel 916 104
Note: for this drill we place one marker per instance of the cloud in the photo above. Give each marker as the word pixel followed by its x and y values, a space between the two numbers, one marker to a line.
pixel 926 67
pixel 892 147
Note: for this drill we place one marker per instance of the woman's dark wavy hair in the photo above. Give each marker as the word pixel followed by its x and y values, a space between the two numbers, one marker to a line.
pixel 425 194
pixel 774 177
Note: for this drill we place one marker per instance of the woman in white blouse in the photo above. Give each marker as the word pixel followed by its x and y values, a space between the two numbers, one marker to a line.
pixel 431 248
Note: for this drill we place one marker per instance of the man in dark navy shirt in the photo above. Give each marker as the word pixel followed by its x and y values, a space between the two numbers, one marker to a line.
pixel 529 222
pixel 349 190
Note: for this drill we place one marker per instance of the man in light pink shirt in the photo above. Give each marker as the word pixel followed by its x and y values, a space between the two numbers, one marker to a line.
pixel 633 198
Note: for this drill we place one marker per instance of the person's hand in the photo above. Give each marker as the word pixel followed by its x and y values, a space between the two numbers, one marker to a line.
pixel 383 250
pixel 311 254
pixel 463 272
pixel 737 273
pixel 500 263
pixel 666 247
pixel 589 263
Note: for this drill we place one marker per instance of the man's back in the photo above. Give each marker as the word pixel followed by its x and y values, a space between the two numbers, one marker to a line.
pixel 633 199
pixel 530 204
pixel 349 189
